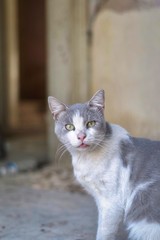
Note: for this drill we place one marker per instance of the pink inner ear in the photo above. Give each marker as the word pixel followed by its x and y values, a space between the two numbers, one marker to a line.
pixel 98 100
pixel 56 107
pixel 59 111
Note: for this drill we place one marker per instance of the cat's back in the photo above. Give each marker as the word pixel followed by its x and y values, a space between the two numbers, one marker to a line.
pixel 142 211
pixel 148 146
pixel 145 160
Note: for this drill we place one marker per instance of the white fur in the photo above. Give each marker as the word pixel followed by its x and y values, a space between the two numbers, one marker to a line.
pixel 72 137
pixel 143 230
pixel 78 121
pixel 98 171
pixel 102 174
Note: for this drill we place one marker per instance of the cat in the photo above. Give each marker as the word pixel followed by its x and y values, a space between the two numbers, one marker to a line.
pixel 121 172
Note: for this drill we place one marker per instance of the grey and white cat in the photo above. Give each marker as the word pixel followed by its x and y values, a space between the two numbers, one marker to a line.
pixel 121 172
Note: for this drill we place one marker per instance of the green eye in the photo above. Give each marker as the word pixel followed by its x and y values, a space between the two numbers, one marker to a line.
pixel 70 127
pixel 91 124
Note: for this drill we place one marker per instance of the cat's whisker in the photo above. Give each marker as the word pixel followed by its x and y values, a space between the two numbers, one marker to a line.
pixel 62 154
pixel 61 151
pixel 99 145
pixel 98 142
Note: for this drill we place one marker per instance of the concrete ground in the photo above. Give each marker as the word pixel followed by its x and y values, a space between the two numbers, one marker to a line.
pixel 44 204
pixel 27 213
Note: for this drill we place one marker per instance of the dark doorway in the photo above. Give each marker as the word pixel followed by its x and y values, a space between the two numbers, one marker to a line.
pixel 32 49
pixel 27 137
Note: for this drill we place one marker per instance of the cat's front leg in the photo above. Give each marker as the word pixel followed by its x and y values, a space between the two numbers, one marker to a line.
pixel 110 216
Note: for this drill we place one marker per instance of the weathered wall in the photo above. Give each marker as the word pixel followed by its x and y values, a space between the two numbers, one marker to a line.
pixel 11 61
pixel 59 59
pixel 126 57
pixel 1 69
pixel 66 56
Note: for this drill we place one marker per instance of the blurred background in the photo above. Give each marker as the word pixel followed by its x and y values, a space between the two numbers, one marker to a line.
pixel 69 49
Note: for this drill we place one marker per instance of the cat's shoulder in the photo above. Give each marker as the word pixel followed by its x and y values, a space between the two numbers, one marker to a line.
pixel 129 141
pixel 118 130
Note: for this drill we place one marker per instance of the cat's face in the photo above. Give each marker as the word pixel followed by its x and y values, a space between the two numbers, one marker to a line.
pixel 80 127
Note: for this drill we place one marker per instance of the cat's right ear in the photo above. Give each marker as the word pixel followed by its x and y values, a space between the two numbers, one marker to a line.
pixel 56 107
pixel 98 100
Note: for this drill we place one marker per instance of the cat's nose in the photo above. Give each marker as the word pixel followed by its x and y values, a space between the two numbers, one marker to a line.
pixel 81 136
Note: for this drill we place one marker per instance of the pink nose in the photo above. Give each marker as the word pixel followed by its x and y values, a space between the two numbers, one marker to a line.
pixel 81 136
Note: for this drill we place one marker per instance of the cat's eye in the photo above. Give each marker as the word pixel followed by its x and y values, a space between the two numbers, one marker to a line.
pixel 70 127
pixel 91 124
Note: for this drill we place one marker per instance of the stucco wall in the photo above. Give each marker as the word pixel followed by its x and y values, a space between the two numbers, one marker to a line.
pixel 1 68
pixel 126 57
pixel 66 56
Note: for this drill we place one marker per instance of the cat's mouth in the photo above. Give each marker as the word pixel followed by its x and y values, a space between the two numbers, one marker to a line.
pixel 83 145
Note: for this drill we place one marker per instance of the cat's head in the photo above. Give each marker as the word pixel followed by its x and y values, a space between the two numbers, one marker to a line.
pixel 80 127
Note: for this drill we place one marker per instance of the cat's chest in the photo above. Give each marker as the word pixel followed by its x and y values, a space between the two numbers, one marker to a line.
pixel 100 177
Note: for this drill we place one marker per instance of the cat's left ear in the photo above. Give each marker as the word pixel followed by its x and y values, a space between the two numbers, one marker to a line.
pixel 56 107
pixel 98 100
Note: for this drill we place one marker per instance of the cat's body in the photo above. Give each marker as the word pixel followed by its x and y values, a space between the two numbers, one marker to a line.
pixel 122 173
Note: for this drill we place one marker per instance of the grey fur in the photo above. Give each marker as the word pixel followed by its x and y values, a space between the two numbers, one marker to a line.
pixel 146 205
pixel 143 158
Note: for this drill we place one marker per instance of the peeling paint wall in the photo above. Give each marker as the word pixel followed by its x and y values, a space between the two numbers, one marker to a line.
pixel 125 62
